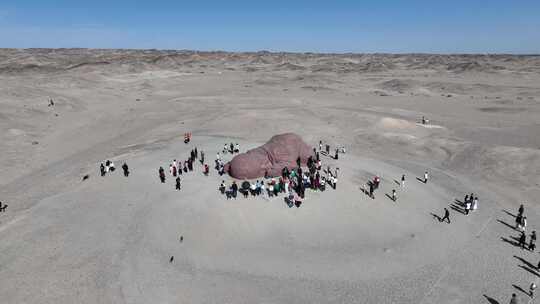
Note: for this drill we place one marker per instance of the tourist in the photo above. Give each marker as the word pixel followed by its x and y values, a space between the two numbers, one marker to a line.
pixel 474 205
pixel 376 182
pixel 234 188
pixel 236 148
pixel 371 190
pixel 531 289
pixel 196 154
pixel 202 157
pixel 522 240
pixel 206 169
pixel 3 207
pixel 222 187
pixel 446 216
pixel 126 169
pixel 394 195
pixel 102 169
pixel 253 188
pixel 171 171
pixel 532 241
pixel 519 218
pixel 336 154
pixel 467 207
pixel 403 181
pixel 523 224
pixel 162 174
pixel 426 176
pixel 514 299
pixel 178 183
pixel 320 145
pixel 520 210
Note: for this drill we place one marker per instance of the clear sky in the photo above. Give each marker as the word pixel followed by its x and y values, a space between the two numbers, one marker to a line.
pixel 435 26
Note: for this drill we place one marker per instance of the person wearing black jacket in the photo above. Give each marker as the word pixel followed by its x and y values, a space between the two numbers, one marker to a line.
pixel 126 169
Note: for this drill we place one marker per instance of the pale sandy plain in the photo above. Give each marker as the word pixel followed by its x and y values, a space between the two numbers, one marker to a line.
pixel 109 239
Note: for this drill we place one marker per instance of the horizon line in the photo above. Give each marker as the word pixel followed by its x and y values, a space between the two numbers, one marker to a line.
pixel 273 51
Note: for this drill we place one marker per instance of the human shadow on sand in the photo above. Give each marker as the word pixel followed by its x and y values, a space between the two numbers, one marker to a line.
pixel 532 271
pixel 528 266
pixel 438 218
pixel 397 182
pixel 491 300
pixel 458 202
pixel 457 208
pixel 421 180
pixel 510 241
pixel 390 197
pixel 509 213
pixel 521 289
pixel 522 260
pixel 506 224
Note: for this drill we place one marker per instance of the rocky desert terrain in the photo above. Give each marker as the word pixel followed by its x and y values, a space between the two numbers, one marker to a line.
pixel 109 239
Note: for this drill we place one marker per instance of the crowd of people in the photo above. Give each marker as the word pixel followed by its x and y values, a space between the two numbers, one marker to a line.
pixel 292 182
pixel 109 167
pixel 521 226
pixel 178 168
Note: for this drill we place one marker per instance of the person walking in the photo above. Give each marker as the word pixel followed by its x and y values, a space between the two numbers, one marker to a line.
pixel 531 290
pixel 161 174
pixel 426 176
pixel 532 241
pixel 102 169
pixel 522 240
pixel 178 183
pixel 394 195
pixel 320 145
pixel 3 207
pixel 446 216
pixel 371 188
pixel 403 181
pixel 520 210
pixel 467 207
pixel 202 157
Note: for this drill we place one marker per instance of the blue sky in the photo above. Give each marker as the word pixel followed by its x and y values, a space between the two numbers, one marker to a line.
pixel 452 26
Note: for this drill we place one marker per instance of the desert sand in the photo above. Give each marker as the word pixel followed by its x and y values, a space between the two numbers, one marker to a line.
pixel 109 239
